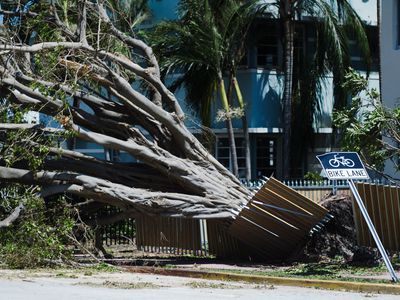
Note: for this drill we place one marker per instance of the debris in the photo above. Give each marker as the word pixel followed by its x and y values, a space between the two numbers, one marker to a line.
pixel 338 238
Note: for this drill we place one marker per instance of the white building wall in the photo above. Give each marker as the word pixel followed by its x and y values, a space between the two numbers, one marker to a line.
pixel 390 60
pixel 366 9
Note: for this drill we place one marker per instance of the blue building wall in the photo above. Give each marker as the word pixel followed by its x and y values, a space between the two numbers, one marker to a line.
pixel 262 90
pixel 162 10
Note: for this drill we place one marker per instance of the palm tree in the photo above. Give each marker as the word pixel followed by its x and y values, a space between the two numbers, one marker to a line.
pixel 204 44
pixel 334 20
pixel 128 14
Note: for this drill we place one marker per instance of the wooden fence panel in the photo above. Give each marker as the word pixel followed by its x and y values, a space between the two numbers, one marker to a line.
pixel 276 220
pixel 168 235
pixel 383 205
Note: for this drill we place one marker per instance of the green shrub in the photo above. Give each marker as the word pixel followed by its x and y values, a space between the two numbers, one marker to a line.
pixel 40 235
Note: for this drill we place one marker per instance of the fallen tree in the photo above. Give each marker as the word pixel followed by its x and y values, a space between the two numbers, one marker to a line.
pixel 96 82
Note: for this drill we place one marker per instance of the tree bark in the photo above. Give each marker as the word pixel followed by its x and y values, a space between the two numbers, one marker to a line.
pixel 12 217
pixel 229 128
pixel 288 28
pixel 245 129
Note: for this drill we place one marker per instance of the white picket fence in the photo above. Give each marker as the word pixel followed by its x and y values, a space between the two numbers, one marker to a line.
pixel 314 190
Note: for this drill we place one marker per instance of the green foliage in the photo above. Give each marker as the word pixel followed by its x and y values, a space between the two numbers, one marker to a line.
pixel 30 147
pixel 313 176
pixel 366 126
pixel 40 235
pixel 104 267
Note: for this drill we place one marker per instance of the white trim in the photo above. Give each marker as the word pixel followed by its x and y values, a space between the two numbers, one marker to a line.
pixel 258 130
pixel 265 130
pixel 372 75
pixel 90 150
pixel 323 130
pixel 259 71
pixel 251 130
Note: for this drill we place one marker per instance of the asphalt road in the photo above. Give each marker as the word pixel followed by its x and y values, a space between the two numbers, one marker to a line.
pixel 60 289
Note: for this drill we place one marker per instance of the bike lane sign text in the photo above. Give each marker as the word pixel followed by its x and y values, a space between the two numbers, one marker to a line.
pixel 343 165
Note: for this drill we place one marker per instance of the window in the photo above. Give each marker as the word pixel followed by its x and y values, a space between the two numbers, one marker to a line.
pixel 265 156
pixel 267 46
pixel 358 61
pixel 298 44
pixel 223 154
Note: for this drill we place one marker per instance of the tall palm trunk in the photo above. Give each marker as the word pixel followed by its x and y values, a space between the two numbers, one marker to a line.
pixel 288 28
pixel 229 127
pixel 245 128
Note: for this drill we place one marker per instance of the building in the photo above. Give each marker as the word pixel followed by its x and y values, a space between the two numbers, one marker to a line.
pixel 390 61
pixel 261 81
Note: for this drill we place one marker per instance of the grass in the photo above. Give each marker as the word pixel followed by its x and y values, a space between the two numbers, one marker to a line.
pixel 327 271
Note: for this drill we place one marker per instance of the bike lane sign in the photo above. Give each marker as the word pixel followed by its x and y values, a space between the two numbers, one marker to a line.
pixel 343 165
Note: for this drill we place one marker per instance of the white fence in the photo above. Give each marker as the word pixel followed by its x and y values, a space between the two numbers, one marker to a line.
pixel 314 190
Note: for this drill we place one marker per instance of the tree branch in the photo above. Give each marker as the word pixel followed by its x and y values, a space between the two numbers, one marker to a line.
pixel 12 217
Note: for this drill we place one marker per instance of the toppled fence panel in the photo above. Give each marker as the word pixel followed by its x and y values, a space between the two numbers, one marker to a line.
pixel 383 206
pixel 276 220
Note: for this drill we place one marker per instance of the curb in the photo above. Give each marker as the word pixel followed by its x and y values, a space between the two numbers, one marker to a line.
pixel 377 288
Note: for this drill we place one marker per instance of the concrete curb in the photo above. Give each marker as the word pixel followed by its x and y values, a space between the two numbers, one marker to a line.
pixel 376 288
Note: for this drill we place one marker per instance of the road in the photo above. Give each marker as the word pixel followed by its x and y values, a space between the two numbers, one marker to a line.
pixel 124 286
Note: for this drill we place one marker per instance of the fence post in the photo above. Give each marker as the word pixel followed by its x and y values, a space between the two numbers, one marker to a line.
pixel 334 188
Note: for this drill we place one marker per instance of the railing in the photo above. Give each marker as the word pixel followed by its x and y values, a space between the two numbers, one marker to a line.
pixel 314 190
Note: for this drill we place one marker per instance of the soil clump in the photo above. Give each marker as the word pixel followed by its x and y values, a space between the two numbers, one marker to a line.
pixel 338 237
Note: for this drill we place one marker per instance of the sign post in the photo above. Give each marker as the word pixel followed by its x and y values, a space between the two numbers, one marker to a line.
pixel 348 165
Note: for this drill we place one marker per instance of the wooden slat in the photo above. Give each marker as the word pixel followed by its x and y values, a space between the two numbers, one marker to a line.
pixel 255 237
pixel 367 238
pixel 395 207
pixel 271 198
pixel 374 212
pixel 384 217
pixel 280 228
pixel 357 219
pixel 389 218
pixel 290 193
pixel 368 205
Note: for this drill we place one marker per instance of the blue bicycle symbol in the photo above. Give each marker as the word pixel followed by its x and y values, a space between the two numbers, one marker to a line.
pixel 341 160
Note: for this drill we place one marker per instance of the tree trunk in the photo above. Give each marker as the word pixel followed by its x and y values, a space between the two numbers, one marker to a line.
pixel 245 128
pixel 288 90
pixel 229 128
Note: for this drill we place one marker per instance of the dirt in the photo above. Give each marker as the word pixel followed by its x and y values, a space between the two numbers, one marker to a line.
pixel 338 237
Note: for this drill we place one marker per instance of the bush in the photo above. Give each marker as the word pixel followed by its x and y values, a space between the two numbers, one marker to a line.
pixel 40 235
pixel 313 176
